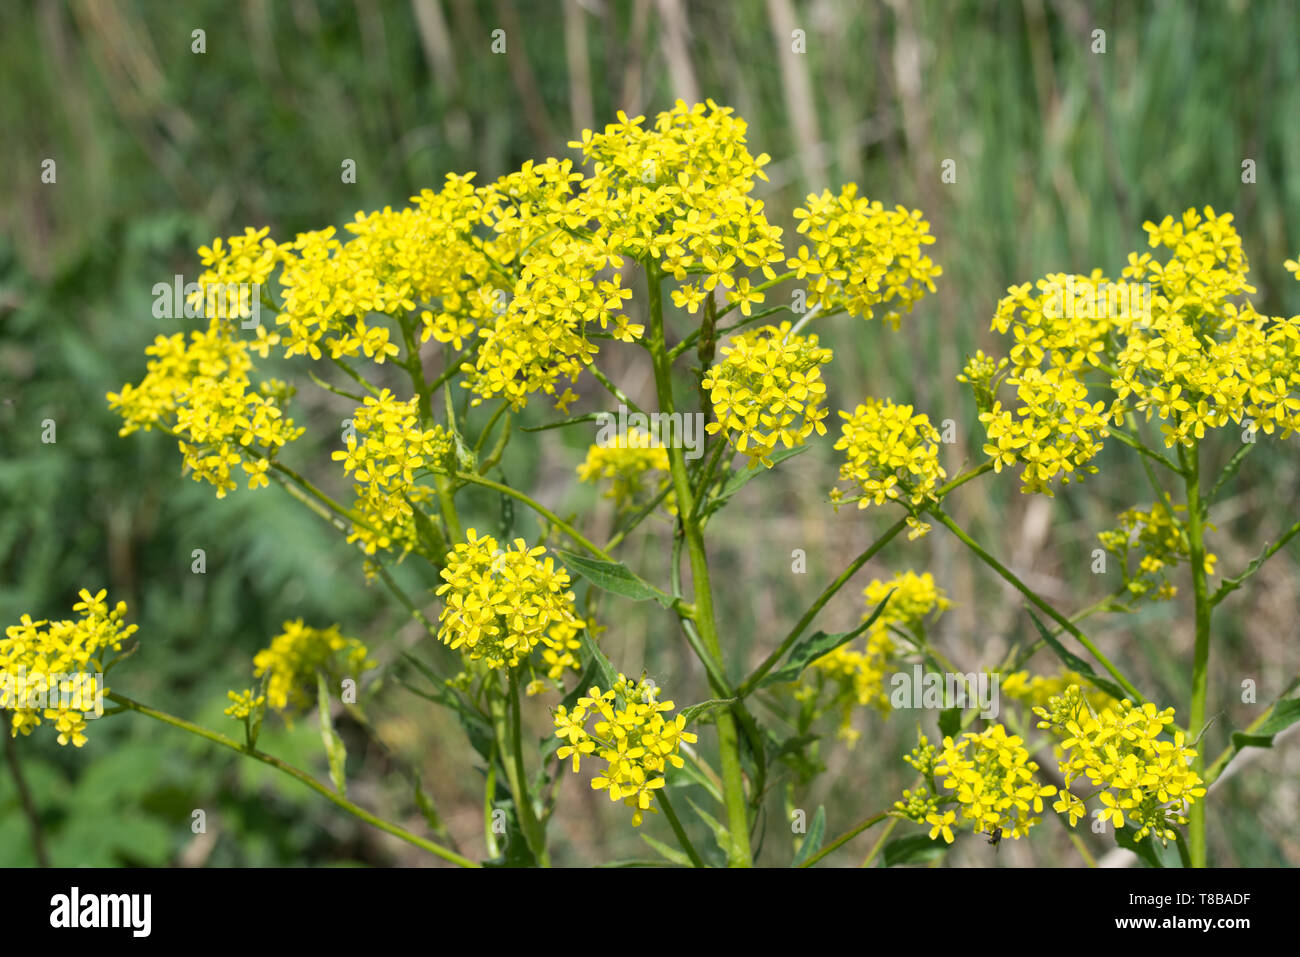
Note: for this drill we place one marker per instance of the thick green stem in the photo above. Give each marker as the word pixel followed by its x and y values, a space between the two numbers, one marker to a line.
pixel 733 781
pixel 1191 462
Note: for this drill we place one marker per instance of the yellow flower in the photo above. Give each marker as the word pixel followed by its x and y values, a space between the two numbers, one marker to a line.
pixel 941 825
pixel 386 446
pixel 863 255
pixel 631 735
pixel 295 657
pixel 243 703
pixel 54 670
pixel 1146 780
pixel 499 605
pixel 857 676
pixel 767 390
pixel 200 392
pixel 626 465
pixel 891 454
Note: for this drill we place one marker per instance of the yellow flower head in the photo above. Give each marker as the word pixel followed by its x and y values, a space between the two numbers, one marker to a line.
pixel 296 656
pixel 200 392
pixel 767 391
pixel 627 465
pixel 243 703
pixel 890 454
pixel 1158 538
pixel 1053 433
pixel 1146 779
pixel 858 676
pixel 386 446
pixel 54 670
pixel 500 604
pixel 861 255
pixel 991 776
pixel 631 734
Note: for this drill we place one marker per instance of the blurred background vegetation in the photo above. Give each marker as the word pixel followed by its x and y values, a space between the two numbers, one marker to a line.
pixel 1060 154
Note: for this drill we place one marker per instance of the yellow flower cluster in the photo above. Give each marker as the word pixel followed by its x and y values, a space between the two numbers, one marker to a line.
pixel 296 656
pixel 393 262
pixel 1066 322
pixel 768 390
pixel 500 604
pixel 680 194
pixel 626 465
pixel 199 392
pixel 988 775
pixel 891 454
pixel 231 270
pixel 244 703
pixel 1054 432
pixel 1145 780
pixel 1175 338
pixel 385 447
pixel 1160 539
pixel 857 675
pixel 54 669
pixel 631 735
pixel 863 255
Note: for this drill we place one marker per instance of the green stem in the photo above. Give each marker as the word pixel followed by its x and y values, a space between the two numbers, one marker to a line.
pixel 880 842
pixel 678 831
pixel 739 854
pixel 1036 601
pixel 1191 462
pixel 844 838
pixel 540 510
pixel 771 661
pixel 303 776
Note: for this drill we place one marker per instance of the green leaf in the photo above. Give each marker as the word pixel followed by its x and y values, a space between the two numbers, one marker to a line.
pixel 742 478
pixel 516 852
pixel 698 712
pixel 809 649
pixel 1285 713
pixel 914 849
pixel 950 721
pixel 1078 664
pixel 434 546
pixel 258 713
pixel 1145 849
pixel 614 577
pixel 721 836
pixel 606 670
pixel 671 854
pixel 334 749
pixel 813 842
pixel 426 806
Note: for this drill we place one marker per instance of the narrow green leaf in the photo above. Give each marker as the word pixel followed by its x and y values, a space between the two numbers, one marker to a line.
pixel 614 577
pixel 721 836
pixel 698 712
pixel 606 670
pixel 1078 664
pixel 809 649
pixel 334 749
pixel 812 843
pixel 742 478
pixel 671 854
pixel 1285 713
